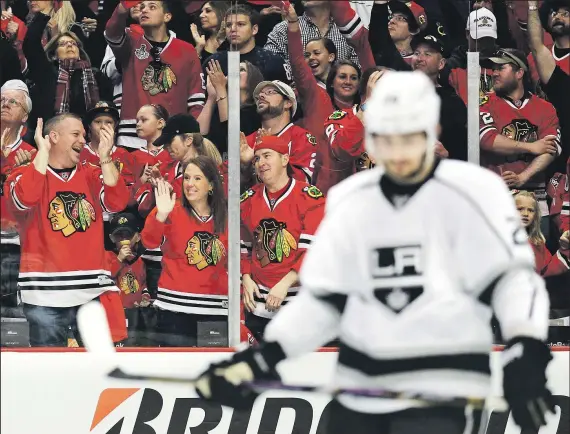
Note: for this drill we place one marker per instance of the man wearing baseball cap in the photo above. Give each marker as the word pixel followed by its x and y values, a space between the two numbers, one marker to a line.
pixel 128 272
pixel 280 216
pixel 392 48
pixel 276 105
pixel 429 57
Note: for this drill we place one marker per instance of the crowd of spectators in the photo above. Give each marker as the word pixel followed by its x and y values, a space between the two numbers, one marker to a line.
pixel 114 141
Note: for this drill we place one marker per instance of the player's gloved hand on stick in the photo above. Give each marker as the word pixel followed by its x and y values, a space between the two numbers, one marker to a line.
pixel 524 382
pixel 227 382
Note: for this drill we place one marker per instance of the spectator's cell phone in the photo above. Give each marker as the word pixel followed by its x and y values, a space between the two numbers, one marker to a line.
pixel 130 3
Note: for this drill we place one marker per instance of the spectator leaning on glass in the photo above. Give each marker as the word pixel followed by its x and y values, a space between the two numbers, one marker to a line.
pixel 191 232
pixel 15 104
pixel 429 57
pixel 279 219
pixel 546 264
pixel 242 24
pixel 59 205
pixel 157 67
pixel 519 131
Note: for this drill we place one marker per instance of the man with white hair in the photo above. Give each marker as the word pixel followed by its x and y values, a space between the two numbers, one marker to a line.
pixel 408 289
pixel 15 105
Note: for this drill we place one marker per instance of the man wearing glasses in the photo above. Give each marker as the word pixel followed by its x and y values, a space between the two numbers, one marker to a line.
pixel 15 104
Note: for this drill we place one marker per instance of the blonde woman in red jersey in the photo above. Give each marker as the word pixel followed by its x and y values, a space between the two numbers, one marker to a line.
pixel 191 232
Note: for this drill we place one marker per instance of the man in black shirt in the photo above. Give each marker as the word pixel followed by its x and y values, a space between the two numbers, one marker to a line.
pixel 242 24
pixel 428 57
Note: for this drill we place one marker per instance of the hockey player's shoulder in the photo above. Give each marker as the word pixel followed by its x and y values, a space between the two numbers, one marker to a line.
pixel 472 181
pixel 347 189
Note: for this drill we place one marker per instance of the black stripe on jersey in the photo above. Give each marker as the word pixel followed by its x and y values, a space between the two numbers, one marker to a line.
pixel 60 278
pixel 347 31
pixel 182 296
pixel 487 295
pixel 65 287
pixel 262 300
pixel 304 242
pixel 354 359
pixel 157 253
pixel 337 301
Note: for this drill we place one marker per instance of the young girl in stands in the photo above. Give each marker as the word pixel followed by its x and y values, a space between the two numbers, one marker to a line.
pixel 151 119
pixel 191 231
pixel 546 264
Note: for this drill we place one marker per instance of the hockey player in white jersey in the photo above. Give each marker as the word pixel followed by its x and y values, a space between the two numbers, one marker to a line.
pixel 410 262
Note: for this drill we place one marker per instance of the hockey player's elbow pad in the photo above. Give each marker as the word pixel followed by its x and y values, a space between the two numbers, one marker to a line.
pixel 524 381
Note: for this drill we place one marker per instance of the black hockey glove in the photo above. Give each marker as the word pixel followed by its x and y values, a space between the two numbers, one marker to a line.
pixel 226 382
pixel 524 382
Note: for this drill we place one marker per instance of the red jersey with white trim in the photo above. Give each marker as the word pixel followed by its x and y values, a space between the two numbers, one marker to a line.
pixel 302 148
pixel 8 223
pixel 557 190
pixel 194 264
pixel 63 259
pixel 345 133
pixel 129 277
pixel 276 232
pixel 171 77
pixel 143 156
pixel 528 120
pixel 172 173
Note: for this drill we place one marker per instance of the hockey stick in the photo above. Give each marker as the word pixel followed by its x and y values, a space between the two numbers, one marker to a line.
pixel 95 333
pixel 496 403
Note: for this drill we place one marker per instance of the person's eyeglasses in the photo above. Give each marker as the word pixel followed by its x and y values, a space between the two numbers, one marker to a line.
pixel 11 102
pixel 399 18
pixel 563 14
pixel 71 43
pixel 269 92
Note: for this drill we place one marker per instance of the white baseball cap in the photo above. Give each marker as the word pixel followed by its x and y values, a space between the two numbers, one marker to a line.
pixel 482 23
pixel 282 88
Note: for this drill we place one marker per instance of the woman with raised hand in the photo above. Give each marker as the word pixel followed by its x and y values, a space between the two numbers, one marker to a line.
pixel 192 234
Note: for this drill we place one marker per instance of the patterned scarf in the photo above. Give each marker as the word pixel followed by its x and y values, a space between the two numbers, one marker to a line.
pixel 62 91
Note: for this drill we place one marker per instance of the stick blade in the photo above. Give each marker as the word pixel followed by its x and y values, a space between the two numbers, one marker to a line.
pixel 94 328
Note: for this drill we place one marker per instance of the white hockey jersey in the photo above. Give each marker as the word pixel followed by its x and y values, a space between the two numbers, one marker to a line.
pixel 408 278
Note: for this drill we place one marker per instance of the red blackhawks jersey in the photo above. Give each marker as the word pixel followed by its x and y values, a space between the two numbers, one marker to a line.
pixel 548 264
pixel 63 259
pixel 143 156
pixel 194 265
pixel 558 190
pixel 8 223
pixel 172 78
pixel 302 148
pixel 528 120
pixel 172 173
pixel 129 277
pixel 276 231
pixel 345 133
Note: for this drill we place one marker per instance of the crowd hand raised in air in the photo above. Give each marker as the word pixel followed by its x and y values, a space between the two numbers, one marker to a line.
pixel 246 153
pixel 217 77
pixel 199 40
pixel 42 142
pixel 165 199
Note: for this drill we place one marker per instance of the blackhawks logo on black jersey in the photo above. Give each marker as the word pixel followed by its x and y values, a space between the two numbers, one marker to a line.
pixel 204 249
pixel 70 212
pixel 272 242
pixel 521 130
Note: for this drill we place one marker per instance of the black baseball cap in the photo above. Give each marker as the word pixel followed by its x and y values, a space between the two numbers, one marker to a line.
pixel 398 7
pixel 546 9
pixel 175 125
pixel 429 40
pixel 124 223
pixel 102 108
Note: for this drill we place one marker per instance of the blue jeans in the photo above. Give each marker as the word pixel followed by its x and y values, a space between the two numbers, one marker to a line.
pixel 49 326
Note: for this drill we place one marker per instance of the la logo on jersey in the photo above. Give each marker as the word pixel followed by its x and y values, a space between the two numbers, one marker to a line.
pixel 398 275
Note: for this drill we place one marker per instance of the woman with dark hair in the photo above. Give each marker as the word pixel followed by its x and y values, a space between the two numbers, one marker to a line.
pixel 343 84
pixel 191 232
pixel 62 77
pixel 210 35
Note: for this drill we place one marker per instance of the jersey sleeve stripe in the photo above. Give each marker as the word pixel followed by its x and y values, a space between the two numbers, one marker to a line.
pixel 102 200
pixel 563 259
pixel 485 130
pixel 15 199
pixel 467 362
pixel 305 241
pixel 352 27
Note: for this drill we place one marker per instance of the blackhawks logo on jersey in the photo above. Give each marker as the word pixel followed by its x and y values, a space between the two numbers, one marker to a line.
pixel 158 77
pixel 70 212
pixel 335 116
pixel 272 242
pixel 246 195
pixel 204 249
pixel 364 162
pixel 312 139
pixel 521 130
pixel 129 283
pixel 313 192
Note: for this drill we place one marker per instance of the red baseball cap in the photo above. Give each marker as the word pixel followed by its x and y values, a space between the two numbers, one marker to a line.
pixel 274 143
